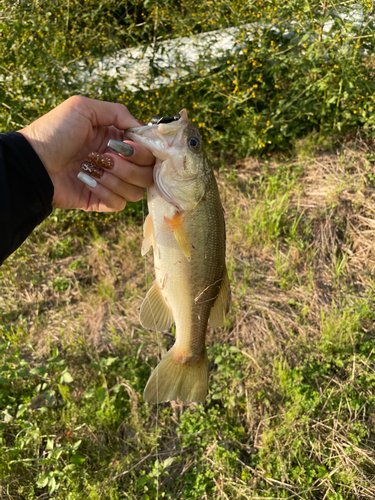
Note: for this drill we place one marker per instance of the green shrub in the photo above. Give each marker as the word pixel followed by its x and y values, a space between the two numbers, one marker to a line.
pixel 297 66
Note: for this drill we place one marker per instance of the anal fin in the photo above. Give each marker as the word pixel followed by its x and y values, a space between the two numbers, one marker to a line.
pixel 154 313
pixel 222 302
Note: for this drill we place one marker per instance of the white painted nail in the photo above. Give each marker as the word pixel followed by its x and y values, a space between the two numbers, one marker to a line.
pixel 86 179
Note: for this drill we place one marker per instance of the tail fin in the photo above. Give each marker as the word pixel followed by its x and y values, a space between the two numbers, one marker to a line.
pixel 174 379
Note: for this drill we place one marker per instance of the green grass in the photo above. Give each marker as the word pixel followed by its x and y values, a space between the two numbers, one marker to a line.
pixel 291 405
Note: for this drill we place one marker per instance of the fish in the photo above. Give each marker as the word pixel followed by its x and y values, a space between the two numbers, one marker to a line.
pixel 185 227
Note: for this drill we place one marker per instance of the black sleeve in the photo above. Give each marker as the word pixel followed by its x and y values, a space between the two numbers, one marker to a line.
pixel 26 192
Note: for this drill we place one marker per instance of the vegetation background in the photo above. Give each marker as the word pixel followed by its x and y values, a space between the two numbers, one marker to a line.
pixel 287 117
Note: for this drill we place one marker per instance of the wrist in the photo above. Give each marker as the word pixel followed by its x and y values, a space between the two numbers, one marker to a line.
pixel 35 143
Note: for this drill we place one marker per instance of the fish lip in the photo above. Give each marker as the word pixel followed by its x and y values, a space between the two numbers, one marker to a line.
pixel 154 144
pixel 155 140
pixel 136 134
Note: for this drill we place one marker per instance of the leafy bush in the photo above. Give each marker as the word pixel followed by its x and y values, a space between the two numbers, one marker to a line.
pixel 296 65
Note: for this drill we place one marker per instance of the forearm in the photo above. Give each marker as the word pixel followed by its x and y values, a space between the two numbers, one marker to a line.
pixel 26 192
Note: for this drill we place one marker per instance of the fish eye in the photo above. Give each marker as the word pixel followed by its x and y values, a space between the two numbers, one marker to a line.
pixel 194 143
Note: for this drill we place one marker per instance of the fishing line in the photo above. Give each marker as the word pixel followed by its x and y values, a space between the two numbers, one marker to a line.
pixel 157 120
pixel 157 374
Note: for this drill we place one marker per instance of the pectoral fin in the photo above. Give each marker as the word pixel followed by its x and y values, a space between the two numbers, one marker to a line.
pixel 222 303
pixel 154 313
pixel 177 226
pixel 148 235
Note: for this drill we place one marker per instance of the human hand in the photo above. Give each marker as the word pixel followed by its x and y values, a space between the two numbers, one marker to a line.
pixel 63 139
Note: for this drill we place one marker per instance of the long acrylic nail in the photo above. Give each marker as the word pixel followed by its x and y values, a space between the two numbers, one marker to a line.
pixel 120 147
pixel 92 169
pixel 86 179
pixel 101 160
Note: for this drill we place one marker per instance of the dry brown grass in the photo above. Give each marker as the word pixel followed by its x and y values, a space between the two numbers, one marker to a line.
pixel 289 289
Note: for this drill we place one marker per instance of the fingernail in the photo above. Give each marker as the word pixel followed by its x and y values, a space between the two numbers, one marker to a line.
pixel 101 160
pixel 120 147
pixel 86 179
pixel 92 169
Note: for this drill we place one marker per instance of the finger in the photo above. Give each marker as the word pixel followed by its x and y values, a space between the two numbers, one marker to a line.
pixel 112 202
pixel 141 176
pixel 129 192
pixel 125 170
pixel 141 155
pixel 103 113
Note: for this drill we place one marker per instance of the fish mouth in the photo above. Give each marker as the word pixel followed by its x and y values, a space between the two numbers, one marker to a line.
pixel 160 138
pixel 167 142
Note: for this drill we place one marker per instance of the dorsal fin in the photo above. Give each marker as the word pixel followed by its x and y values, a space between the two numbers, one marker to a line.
pixel 221 305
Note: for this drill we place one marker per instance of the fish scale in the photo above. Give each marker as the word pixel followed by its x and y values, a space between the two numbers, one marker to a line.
pixel 206 240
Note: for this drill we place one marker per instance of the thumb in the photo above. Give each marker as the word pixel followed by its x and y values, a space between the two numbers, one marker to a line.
pixel 103 113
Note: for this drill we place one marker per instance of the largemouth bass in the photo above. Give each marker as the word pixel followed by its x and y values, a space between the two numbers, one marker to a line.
pixel 186 229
